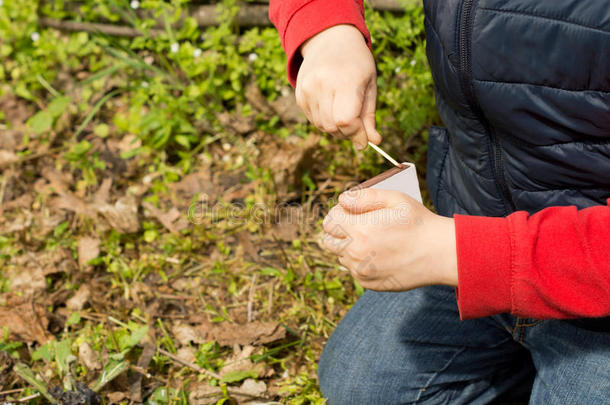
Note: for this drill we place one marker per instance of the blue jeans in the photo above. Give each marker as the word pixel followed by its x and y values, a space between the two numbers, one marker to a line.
pixel 412 348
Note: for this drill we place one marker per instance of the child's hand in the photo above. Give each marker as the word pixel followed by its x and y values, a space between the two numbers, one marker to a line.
pixel 390 242
pixel 337 84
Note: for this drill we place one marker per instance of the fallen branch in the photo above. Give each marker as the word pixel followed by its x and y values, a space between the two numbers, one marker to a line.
pixel 249 15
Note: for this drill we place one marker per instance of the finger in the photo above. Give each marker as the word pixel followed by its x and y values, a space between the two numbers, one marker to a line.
pixel 302 102
pixel 359 138
pixel 326 115
pixel 358 201
pixel 368 113
pixel 335 245
pixel 332 223
pixel 346 113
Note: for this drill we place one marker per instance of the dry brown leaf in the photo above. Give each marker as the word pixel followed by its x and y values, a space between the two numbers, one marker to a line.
pixel 24 201
pixel 186 353
pixel 122 216
pixel 240 361
pixel 250 392
pixel 199 182
pixel 285 106
pixel 102 194
pixel 287 158
pixel 25 319
pixel 88 357
pixel 170 220
pixel 69 202
pixel 27 280
pixel 230 334
pixel 186 334
pixel 7 157
pixel 79 299
pixel 88 248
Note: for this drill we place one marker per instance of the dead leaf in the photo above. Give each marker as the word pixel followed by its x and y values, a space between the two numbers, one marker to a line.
pixel 240 361
pixel 88 357
pixel 170 219
pixel 25 319
pixel 250 392
pixel 24 201
pixel 186 334
pixel 116 397
pixel 285 106
pixel 69 202
pixel 88 249
pixel 6 369
pixel 287 159
pixel 237 122
pixel 122 216
pixel 253 388
pixel 186 353
pixel 7 157
pixel 102 194
pixel 199 182
pixel 80 299
pixel 230 334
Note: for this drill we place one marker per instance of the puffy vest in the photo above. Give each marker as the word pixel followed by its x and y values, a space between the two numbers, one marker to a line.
pixel 523 87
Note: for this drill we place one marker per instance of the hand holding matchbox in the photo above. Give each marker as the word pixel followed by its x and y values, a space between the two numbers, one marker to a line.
pixel 402 177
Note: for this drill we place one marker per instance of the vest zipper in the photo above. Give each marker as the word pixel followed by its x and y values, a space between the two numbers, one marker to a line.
pixel 466 21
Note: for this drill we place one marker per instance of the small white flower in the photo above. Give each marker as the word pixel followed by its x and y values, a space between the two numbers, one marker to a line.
pixel 145 84
pixel 413 62
pixel 397 69
pixel 175 47
pixel 252 57
pixel 135 4
pixel 226 146
pixel 35 36
pixel 197 53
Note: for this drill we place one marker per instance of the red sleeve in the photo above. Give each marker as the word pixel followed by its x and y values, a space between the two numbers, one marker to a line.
pixel 553 264
pixel 299 20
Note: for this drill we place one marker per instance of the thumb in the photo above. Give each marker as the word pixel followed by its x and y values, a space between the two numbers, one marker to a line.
pixel 361 200
pixel 368 112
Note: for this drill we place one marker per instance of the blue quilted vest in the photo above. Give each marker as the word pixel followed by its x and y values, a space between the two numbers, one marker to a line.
pixel 523 87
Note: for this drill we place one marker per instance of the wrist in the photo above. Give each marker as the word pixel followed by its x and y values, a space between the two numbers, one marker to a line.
pixel 449 266
pixel 341 32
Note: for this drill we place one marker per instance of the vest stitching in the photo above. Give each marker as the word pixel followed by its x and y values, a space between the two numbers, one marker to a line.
pixel 603 92
pixel 544 17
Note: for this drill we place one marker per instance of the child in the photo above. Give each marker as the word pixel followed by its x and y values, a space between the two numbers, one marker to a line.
pixel 523 87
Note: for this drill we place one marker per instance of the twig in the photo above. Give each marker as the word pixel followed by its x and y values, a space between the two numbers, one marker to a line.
pixel 15 391
pixel 25 399
pixel 189 364
pixel 250 15
pixel 250 316
pixel 94 28
pixel 270 298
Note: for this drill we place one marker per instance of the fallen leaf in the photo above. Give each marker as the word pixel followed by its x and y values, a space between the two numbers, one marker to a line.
pixel 88 248
pixel 122 216
pixel 7 157
pixel 79 299
pixel 186 353
pixel 25 319
pixel 186 334
pixel 240 362
pixel 170 219
pixel 287 159
pixel 230 334
pixel 116 397
pixel 88 357
pixel 285 106
pixel 253 388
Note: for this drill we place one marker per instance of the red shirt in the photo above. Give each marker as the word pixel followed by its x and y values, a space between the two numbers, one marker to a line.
pixel 553 264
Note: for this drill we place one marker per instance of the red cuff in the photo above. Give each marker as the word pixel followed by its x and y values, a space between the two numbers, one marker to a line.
pixel 312 18
pixel 484 266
